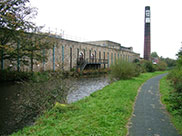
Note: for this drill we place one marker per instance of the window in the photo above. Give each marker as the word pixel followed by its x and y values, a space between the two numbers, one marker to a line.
pixel 84 54
pixel 70 58
pixel 89 54
pixel 115 57
pixel 104 58
pixel 99 55
pixel 53 56
pixel 108 58
pixel 111 58
pixel 78 53
pixel 62 57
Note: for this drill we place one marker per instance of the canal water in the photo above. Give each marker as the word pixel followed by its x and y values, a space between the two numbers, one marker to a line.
pixel 9 92
pixel 84 87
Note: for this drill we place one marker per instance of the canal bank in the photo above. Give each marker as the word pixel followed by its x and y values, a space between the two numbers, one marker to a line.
pixel 105 112
pixel 13 95
pixel 8 93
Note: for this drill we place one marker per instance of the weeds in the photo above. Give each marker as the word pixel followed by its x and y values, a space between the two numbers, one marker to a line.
pixel 36 96
pixel 124 70
pixel 6 75
pixel 175 77
pixel 170 99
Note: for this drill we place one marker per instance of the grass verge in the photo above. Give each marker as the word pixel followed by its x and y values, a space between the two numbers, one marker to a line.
pixel 104 113
pixel 165 90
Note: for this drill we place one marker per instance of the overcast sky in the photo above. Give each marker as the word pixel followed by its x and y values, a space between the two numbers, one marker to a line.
pixel 120 21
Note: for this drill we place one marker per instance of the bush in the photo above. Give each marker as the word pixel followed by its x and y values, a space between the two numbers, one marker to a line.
pixel 175 76
pixel 40 76
pixel 7 75
pixel 176 79
pixel 161 66
pixel 148 66
pixel 124 70
pixel 176 99
pixel 35 97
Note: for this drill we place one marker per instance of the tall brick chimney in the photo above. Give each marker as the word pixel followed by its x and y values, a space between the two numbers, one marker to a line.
pixel 147 34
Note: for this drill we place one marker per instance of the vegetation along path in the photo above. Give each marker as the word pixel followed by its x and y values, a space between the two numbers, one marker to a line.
pixel 150 117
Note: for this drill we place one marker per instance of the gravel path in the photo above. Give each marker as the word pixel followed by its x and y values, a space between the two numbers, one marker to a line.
pixel 150 117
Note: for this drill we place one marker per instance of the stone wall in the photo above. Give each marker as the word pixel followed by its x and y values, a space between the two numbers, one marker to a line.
pixel 64 54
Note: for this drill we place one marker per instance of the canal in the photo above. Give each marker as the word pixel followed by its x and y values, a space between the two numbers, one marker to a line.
pixel 84 87
pixel 10 92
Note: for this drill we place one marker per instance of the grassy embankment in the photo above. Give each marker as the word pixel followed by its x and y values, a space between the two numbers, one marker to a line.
pixel 165 90
pixel 104 113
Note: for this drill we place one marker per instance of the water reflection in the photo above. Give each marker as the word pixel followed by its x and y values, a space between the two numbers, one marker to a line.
pixel 84 87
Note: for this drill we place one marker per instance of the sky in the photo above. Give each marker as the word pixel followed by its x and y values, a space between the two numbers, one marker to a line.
pixel 120 21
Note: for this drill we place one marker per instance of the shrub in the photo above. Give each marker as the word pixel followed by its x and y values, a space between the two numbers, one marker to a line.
pixel 35 97
pixel 161 66
pixel 175 97
pixel 175 76
pixel 147 66
pixel 7 75
pixel 124 70
pixel 40 76
pixel 176 79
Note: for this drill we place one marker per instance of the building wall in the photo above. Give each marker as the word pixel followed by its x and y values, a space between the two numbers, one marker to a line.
pixel 64 54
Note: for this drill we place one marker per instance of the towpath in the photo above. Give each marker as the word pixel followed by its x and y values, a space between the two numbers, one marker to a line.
pixel 150 117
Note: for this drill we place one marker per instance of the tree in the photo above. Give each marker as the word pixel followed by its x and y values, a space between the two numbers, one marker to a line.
pixel 179 54
pixel 170 62
pixel 154 55
pixel 33 48
pixel 16 15
pixel 20 39
pixel 15 19
pixel 179 60
pixel 175 76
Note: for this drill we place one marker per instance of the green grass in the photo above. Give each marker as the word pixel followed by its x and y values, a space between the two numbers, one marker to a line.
pixel 165 90
pixel 104 113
